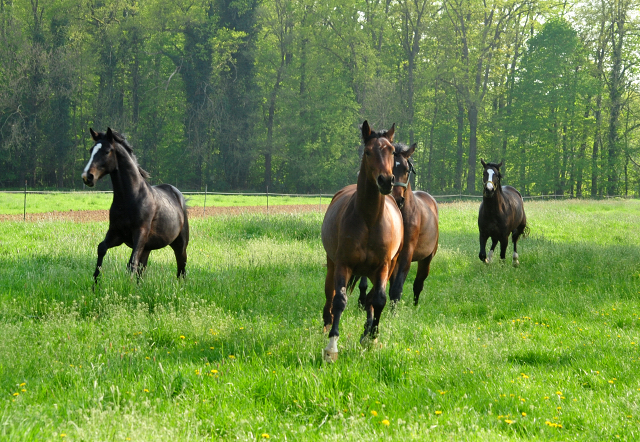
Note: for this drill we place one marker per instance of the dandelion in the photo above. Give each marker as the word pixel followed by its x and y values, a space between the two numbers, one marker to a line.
pixel 23 384
pixel 16 394
pixel 558 408
pixel 385 422
pixel 558 393
pixel 214 371
pixel 232 357
pixel 63 435
pixel 265 436
pixel 182 337
pixel 438 412
pixel 524 414
pixel 509 421
pixel 146 390
pixel 374 412
pixel 23 390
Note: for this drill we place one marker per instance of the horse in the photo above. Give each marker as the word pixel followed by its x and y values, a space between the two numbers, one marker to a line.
pixel 420 219
pixel 362 235
pixel 501 213
pixel 142 216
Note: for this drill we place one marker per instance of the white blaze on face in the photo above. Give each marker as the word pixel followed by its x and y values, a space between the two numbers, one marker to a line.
pixel 489 184
pixel 95 150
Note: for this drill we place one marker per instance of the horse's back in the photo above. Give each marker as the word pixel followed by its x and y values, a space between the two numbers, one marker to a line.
pixel 516 203
pixel 428 240
pixel 170 218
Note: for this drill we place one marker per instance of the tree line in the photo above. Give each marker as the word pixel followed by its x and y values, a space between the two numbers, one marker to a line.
pixel 256 94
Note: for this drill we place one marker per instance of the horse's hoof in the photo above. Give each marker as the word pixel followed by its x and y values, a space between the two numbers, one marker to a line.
pixel 329 356
pixel 367 341
pixel 516 263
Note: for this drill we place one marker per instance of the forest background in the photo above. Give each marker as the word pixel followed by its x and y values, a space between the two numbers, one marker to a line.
pixel 240 95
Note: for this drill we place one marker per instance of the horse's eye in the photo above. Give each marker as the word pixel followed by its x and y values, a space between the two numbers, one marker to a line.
pixel 367 152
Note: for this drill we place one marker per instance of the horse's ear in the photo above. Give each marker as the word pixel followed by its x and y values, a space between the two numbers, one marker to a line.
pixel 390 132
pixel 483 163
pixel 109 134
pixel 94 135
pixel 366 130
pixel 407 153
pixel 499 165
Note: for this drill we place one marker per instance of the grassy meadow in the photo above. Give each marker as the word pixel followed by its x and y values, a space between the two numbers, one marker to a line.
pixel 14 204
pixel 546 351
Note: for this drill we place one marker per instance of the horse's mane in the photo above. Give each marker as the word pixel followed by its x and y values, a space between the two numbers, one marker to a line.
pixel 124 143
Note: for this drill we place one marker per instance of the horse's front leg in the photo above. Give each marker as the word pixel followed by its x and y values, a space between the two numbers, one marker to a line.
pixel 376 300
pixel 503 246
pixel 110 240
pixel 483 248
pixel 341 275
pixel 138 252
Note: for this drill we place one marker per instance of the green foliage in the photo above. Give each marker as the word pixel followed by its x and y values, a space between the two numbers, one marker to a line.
pixel 242 95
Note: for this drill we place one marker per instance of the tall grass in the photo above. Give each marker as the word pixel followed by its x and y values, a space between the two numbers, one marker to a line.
pixel 545 351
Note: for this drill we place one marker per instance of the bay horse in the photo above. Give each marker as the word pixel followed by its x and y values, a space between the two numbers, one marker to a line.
pixel 142 216
pixel 362 235
pixel 420 219
pixel 501 214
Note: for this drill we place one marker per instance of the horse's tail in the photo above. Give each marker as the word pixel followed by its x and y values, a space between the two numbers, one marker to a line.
pixel 353 281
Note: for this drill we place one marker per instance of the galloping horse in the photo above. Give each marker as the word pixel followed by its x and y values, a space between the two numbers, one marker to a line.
pixel 501 213
pixel 362 234
pixel 420 218
pixel 142 216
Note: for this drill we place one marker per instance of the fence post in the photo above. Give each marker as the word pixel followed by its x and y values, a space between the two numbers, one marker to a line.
pixel 204 205
pixel 267 200
pixel 320 205
pixel 24 211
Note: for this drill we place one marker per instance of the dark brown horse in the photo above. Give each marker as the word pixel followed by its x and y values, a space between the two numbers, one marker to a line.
pixel 362 234
pixel 142 216
pixel 501 214
pixel 420 218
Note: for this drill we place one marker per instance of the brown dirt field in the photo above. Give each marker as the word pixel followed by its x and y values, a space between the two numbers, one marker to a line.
pixel 83 216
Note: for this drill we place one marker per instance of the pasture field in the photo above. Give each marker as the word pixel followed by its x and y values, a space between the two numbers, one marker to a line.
pixel 13 203
pixel 546 351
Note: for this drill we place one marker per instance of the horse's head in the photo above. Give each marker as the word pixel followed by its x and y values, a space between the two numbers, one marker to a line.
pixel 490 178
pixel 402 168
pixel 377 160
pixel 103 157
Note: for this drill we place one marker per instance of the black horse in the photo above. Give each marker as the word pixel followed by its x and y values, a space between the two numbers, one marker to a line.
pixel 142 216
pixel 501 214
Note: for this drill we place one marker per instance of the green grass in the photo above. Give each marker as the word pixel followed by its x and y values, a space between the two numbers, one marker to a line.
pixel 13 203
pixel 491 353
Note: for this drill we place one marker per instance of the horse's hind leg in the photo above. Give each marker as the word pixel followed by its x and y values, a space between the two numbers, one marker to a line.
pixel 362 299
pixel 142 265
pixel 179 247
pixel 514 238
pixel 110 240
pixel 421 275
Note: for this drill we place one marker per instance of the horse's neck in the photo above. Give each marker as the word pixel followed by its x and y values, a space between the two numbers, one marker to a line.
pixel 496 201
pixel 126 179
pixel 369 200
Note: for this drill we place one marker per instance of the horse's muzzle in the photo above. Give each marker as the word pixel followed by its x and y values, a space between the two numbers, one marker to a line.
pixel 385 184
pixel 88 180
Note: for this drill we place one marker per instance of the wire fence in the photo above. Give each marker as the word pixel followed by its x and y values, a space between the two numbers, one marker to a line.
pixel 263 197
